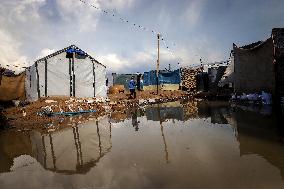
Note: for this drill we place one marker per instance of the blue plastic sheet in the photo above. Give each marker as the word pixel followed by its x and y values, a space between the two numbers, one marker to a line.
pixel 77 51
pixel 165 77
pixel 72 113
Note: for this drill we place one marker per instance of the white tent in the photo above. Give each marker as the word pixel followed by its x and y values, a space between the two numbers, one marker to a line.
pixel 67 72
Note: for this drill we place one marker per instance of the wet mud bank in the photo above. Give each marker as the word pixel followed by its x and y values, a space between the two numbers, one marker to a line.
pixel 50 114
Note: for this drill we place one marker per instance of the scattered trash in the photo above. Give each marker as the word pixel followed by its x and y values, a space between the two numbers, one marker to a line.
pixel 49 125
pixel 45 111
pixel 142 101
pixel 151 100
pixel 90 101
pixel 50 101
pixel 16 103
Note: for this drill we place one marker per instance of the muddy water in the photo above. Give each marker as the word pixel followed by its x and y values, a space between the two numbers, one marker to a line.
pixel 174 145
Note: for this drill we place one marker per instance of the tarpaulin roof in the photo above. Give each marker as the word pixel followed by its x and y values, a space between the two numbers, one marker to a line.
pixel 71 49
pixel 74 50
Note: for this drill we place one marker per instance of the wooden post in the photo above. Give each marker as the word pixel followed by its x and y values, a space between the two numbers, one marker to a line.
pixel 158 63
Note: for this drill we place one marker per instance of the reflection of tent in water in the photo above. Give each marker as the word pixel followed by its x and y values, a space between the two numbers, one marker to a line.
pixel 165 111
pixel 73 150
pixel 259 135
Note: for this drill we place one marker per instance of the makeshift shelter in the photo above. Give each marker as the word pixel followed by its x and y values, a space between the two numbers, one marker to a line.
pixel 278 41
pixel 67 72
pixel 167 80
pixel 254 68
pixel 12 87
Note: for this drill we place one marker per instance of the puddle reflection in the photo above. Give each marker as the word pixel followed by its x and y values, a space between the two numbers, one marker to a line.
pixel 172 145
pixel 73 150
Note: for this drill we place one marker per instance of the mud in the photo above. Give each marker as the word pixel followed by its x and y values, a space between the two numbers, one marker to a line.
pixel 31 116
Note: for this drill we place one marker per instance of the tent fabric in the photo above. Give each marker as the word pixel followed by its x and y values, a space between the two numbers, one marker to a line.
pixel 165 77
pixel 12 88
pixel 60 76
pixel 100 81
pixel 254 68
pixel 31 83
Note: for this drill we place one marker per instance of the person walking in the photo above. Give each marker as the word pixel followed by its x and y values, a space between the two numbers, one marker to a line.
pixel 141 83
pixel 131 86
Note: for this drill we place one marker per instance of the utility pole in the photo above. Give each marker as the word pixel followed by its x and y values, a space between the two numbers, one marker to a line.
pixel 158 63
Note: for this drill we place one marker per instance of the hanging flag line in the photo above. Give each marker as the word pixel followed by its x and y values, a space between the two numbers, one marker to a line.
pixel 153 31
pixel 112 14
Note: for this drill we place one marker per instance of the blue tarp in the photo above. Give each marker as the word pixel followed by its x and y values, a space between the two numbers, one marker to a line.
pixel 77 51
pixel 73 113
pixel 165 77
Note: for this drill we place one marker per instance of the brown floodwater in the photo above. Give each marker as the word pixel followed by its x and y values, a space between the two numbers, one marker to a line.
pixel 173 145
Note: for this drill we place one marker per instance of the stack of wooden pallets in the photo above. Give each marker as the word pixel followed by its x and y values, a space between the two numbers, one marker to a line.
pixel 188 78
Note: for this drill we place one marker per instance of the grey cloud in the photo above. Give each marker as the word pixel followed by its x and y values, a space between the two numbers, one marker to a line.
pixel 204 28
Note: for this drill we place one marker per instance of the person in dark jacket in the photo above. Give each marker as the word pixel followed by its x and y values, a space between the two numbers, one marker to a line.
pixel 2 70
pixel 131 86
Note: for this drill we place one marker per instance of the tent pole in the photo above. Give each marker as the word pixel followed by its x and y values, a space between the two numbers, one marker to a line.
pixel 45 78
pixel 158 63
pixel 73 75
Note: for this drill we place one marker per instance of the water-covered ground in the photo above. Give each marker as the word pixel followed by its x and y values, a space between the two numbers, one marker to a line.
pixel 173 145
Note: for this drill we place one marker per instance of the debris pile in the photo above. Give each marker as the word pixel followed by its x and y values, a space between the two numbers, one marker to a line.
pixel 57 112
pixel 35 115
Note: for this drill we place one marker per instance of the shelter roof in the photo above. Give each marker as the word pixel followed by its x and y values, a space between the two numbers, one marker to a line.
pixel 64 50
pixel 252 46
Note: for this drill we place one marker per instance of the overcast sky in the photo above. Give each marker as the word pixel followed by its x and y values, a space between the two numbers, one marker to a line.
pixel 31 29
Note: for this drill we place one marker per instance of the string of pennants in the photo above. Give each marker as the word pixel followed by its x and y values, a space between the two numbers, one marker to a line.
pixel 112 14
pixel 143 28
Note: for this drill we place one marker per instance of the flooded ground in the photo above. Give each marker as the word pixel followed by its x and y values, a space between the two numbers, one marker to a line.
pixel 173 145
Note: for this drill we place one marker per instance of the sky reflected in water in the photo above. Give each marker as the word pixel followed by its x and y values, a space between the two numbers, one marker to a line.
pixel 173 145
